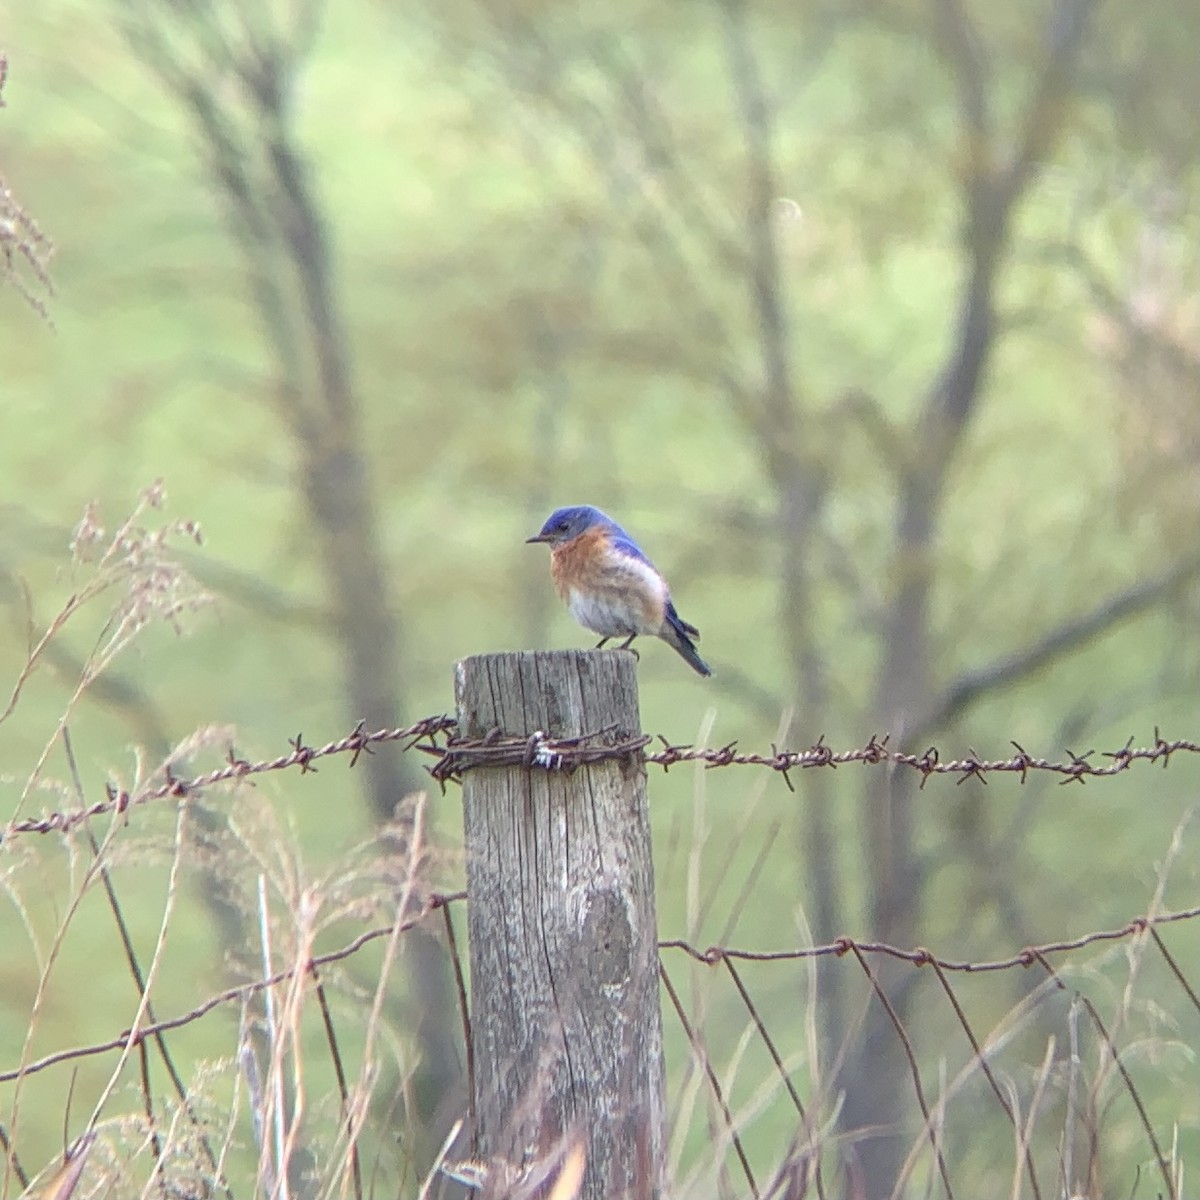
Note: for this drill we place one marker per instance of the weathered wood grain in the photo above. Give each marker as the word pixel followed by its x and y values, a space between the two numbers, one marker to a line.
pixel 566 1024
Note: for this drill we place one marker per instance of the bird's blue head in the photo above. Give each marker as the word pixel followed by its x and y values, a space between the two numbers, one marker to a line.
pixel 563 524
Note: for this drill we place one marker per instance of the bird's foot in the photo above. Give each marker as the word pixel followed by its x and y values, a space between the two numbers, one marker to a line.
pixel 602 643
pixel 627 644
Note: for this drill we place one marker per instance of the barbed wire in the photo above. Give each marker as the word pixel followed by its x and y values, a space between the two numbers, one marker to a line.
pixel 455 756
pixel 357 742
pixel 1077 769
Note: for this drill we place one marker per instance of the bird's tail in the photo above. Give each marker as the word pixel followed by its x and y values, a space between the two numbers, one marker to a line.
pixel 678 634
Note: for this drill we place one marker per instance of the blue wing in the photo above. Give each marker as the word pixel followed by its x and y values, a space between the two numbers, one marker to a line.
pixel 622 543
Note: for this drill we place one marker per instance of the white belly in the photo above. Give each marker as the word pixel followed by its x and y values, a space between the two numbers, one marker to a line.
pixel 609 614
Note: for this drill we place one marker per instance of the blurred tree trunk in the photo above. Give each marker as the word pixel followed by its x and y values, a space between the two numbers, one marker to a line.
pixel 795 438
pixel 246 133
pixel 877 1087
pixel 799 479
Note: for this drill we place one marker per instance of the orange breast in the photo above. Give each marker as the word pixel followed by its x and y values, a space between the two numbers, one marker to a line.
pixel 579 562
pixel 608 592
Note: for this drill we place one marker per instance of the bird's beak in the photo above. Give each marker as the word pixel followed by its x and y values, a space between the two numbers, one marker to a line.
pixel 537 537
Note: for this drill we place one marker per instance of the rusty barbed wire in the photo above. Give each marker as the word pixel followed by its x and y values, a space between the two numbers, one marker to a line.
pixel 455 755
pixel 497 749
pixel 357 742
pixel 876 753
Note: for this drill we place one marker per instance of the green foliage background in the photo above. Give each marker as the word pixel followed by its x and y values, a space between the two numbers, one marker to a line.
pixel 519 340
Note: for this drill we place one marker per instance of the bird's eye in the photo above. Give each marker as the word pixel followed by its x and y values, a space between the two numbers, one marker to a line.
pixel 561 527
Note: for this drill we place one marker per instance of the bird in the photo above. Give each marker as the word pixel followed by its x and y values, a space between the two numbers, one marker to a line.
pixel 610 586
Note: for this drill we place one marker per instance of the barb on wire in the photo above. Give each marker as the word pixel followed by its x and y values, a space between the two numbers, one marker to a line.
pixel 455 755
pixel 876 753
pixel 498 749
pixel 356 743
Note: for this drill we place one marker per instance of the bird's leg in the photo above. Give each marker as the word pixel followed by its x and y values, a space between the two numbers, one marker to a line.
pixel 602 643
pixel 627 644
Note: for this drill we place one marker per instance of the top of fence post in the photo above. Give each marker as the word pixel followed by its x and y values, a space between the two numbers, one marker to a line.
pixel 566 1025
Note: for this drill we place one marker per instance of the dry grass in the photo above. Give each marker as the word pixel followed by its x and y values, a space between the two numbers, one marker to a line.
pixel 292 1076
pixel 26 250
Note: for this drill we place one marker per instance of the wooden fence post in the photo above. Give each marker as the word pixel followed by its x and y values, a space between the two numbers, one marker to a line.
pixel 565 1020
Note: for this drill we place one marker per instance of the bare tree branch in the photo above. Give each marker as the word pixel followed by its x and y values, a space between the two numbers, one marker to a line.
pixel 1069 23
pixel 1182 359
pixel 960 42
pixel 233 69
pixel 978 683
pixel 990 193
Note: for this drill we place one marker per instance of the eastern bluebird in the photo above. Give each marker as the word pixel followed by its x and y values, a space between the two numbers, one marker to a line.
pixel 610 586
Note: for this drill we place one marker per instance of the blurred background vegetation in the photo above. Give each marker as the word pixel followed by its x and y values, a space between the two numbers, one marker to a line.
pixel 876 322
